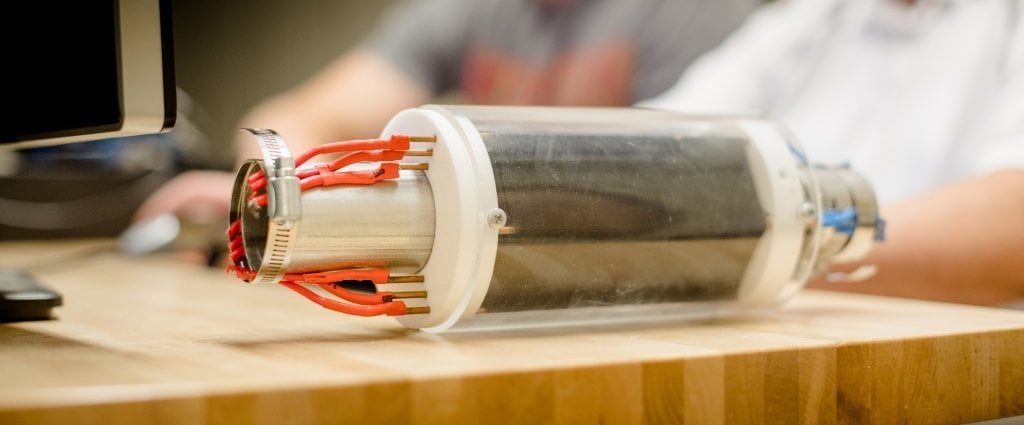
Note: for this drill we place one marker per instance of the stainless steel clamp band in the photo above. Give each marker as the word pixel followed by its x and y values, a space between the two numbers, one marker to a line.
pixel 284 206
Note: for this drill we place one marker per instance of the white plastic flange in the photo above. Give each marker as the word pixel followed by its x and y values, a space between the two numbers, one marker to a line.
pixel 769 277
pixel 458 272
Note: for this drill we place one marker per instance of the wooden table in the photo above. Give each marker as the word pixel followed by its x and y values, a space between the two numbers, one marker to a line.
pixel 150 340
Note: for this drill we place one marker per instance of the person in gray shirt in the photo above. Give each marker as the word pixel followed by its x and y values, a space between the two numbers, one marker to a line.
pixel 524 52
pixel 553 52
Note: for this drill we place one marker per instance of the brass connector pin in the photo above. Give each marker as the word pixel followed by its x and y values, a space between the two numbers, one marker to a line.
pixel 423 152
pixel 417 310
pixel 405 279
pixel 420 166
pixel 425 139
pixel 408 294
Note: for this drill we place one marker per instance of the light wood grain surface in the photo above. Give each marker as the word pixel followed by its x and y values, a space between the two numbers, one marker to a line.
pixel 152 340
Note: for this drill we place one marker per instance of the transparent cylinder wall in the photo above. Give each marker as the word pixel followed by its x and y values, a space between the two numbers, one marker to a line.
pixel 616 208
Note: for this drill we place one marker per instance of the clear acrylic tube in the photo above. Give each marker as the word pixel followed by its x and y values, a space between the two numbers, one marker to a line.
pixel 547 216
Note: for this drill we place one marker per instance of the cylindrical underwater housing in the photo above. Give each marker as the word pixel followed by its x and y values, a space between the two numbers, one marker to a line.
pixel 531 216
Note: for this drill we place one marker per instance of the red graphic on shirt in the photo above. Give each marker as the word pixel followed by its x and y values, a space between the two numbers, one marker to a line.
pixel 597 75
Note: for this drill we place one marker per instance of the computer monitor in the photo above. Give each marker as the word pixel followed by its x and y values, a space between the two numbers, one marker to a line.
pixel 85 70
pixel 78 70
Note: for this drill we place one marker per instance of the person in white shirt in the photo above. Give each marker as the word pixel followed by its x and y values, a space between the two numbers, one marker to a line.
pixel 926 98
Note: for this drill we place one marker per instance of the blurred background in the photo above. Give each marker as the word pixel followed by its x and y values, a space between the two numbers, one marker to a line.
pixel 232 53
pixel 229 55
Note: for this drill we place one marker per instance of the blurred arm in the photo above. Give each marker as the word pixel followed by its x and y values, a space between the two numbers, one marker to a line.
pixel 962 243
pixel 965 242
pixel 354 97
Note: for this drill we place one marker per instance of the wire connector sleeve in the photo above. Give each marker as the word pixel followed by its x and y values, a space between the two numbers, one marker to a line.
pixel 377 276
pixel 352 158
pixel 397 142
pixel 395 308
pixel 386 171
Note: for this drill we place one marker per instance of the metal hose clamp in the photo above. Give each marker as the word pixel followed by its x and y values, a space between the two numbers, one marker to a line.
pixel 283 205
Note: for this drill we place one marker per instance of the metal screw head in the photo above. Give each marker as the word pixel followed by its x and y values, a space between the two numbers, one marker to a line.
pixel 808 212
pixel 496 218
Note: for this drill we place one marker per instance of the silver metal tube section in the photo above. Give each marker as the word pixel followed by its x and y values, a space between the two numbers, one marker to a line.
pixel 389 221
pixel 386 224
pixel 849 212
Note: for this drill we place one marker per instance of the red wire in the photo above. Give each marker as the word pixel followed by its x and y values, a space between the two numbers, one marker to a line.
pixel 241 272
pixel 234 229
pixel 319 170
pixel 355 297
pixel 398 142
pixel 234 244
pixel 237 255
pixel 369 150
pixel 387 170
pixel 394 308
pixel 258 179
pixel 329 280
pixel 377 276
pixel 259 184
pixel 260 200
pixel 352 158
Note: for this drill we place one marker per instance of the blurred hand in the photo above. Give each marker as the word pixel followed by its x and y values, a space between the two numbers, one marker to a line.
pixel 188 214
pixel 192 195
